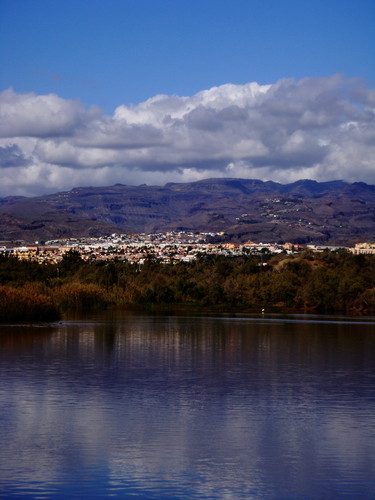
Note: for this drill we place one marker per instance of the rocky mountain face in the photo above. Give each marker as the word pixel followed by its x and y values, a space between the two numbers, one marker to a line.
pixel 302 212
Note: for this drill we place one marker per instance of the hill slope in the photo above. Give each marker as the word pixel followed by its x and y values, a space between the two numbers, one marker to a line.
pixel 302 212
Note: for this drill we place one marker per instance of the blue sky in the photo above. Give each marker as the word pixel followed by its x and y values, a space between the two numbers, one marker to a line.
pixel 117 54
pixel 120 52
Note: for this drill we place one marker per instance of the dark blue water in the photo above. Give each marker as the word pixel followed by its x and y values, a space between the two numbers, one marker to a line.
pixel 179 407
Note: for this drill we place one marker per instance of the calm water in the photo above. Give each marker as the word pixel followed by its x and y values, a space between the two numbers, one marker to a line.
pixel 175 407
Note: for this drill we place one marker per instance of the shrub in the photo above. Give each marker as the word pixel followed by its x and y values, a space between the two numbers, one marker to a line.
pixel 81 296
pixel 26 304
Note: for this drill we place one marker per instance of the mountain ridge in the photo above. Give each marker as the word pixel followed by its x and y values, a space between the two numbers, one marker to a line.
pixel 305 211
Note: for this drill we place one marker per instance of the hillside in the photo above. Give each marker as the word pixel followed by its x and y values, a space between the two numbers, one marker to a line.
pixel 302 212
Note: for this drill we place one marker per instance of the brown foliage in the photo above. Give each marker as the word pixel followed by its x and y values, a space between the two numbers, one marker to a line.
pixel 81 296
pixel 27 303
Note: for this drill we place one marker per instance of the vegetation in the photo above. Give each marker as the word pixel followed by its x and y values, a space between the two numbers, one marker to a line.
pixel 325 282
pixel 26 303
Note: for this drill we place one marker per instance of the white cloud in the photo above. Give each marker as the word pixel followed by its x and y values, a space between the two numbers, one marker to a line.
pixel 29 115
pixel 321 128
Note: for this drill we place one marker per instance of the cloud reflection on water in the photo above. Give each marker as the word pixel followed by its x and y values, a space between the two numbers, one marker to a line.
pixel 207 406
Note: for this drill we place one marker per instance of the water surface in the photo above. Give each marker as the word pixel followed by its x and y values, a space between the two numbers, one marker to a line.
pixel 142 406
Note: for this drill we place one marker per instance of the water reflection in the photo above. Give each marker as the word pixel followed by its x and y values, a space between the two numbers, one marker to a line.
pixel 181 407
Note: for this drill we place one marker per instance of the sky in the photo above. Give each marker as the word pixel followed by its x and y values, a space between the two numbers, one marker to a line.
pixel 120 91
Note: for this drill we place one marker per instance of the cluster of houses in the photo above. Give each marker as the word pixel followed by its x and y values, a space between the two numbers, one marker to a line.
pixel 363 248
pixel 166 247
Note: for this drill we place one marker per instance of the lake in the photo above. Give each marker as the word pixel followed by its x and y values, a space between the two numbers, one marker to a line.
pixel 170 406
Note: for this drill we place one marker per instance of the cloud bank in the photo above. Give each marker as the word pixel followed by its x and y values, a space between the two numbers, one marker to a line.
pixel 318 128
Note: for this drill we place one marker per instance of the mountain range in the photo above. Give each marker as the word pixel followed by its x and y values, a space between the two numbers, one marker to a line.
pixel 305 211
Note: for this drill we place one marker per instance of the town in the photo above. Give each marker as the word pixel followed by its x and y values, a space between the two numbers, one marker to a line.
pixel 170 247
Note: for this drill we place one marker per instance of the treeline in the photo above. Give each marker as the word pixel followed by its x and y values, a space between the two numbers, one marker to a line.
pixel 325 282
